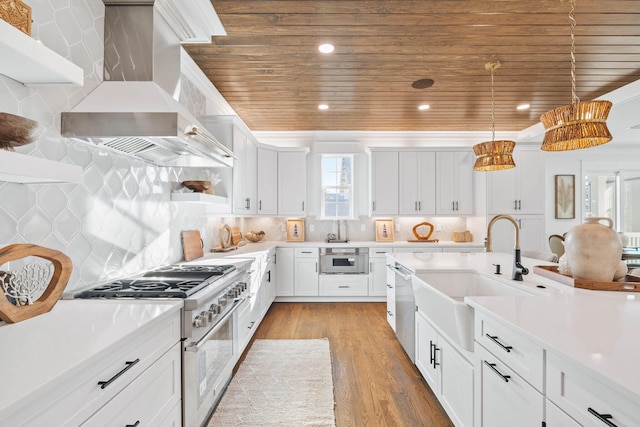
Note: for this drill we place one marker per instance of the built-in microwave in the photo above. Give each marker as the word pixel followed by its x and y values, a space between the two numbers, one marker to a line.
pixel 344 261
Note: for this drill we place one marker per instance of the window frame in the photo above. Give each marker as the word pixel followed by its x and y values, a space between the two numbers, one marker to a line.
pixel 350 187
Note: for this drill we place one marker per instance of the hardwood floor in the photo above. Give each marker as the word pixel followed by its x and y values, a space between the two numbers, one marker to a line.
pixel 375 383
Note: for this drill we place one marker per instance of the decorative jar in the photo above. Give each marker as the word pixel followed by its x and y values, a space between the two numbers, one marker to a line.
pixel 593 250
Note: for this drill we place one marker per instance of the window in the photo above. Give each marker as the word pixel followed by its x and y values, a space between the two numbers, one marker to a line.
pixel 615 195
pixel 337 186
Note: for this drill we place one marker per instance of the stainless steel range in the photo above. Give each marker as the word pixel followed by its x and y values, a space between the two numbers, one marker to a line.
pixel 212 295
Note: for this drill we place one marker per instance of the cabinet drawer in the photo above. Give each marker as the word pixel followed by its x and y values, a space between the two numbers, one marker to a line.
pixel 521 354
pixel 149 399
pixel 379 252
pixel 587 399
pixel 344 285
pixel 81 395
pixel 504 398
pixel 306 252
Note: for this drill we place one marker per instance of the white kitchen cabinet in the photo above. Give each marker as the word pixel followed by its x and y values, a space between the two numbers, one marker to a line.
pixel 343 285
pixel 391 297
pixel 454 183
pixel 149 399
pixel 232 132
pixel 447 372
pixel 284 272
pixel 504 399
pixel 292 183
pixel 267 194
pixel 417 189
pixel 384 183
pixel 378 271
pixel 306 272
pixel 532 234
pixel 519 190
pixel 271 278
pixel 587 399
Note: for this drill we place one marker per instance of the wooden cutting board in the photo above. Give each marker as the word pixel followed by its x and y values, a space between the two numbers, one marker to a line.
pixel 192 245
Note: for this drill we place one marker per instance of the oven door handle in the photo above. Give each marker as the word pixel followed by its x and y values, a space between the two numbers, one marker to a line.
pixel 406 275
pixel 195 347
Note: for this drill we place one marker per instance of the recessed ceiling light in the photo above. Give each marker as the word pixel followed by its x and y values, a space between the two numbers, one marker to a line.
pixel 424 107
pixel 523 107
pixel 422 84
pixel 326 48
pixel 323 107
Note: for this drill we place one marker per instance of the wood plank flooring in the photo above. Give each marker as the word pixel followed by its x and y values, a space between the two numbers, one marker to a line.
pixel 375 382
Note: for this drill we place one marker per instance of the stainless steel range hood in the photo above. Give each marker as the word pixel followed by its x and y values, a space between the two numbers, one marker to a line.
pixel 135 109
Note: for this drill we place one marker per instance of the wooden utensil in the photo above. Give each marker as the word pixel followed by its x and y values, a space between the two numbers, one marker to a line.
pixel 192 245
pixel 225 236
pixel 62 271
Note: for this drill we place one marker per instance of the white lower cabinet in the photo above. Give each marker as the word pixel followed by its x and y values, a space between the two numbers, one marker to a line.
pixel 306 272
pixel 149 400
pixel 555 417
pixel 346 285
pixel 285 272
pixel 503 398
pixel 585 398
pixel 378 271
pixel 447 372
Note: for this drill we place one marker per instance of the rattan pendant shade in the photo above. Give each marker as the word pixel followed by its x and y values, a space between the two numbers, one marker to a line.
pixel 581 124
pixel 493 155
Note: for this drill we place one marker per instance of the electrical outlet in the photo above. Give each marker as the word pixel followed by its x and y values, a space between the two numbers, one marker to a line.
pixel 438 227
pixel 397 228
pixel 311 228
pixel 363 227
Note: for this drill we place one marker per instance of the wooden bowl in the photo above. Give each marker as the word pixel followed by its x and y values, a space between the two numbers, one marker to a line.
pixel 17 130
pixel 199 186
pixel 254 236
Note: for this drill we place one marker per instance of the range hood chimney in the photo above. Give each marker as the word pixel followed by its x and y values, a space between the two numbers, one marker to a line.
pixel 135 109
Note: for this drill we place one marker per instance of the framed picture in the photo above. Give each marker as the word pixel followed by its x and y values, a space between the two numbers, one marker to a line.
pixel 384 230
pixel 565 197
pixel 295 230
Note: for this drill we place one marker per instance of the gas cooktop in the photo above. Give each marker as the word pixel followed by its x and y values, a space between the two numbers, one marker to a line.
pixel 172 281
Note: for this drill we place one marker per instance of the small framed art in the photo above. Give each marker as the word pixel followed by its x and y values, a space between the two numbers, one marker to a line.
pixel 565 197
pixel 384 230
pixel 295 230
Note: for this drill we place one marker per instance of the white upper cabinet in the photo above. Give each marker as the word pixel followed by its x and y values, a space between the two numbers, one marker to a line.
pixel 231 132
pixel 267 182
pixel 519 190
pixel 417 183
pixel 292 183
pixel 384 183
pixel 454 181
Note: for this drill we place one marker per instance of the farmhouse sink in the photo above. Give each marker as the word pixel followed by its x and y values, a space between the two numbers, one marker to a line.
pixel 440 296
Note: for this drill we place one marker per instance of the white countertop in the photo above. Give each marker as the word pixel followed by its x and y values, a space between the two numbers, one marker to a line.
pixel 39 350
pixel 599 330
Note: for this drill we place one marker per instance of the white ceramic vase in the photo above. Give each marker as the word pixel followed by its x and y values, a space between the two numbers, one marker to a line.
pixel 593 250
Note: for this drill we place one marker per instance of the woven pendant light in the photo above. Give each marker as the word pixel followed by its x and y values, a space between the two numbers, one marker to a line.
pixel 581 124
pixel 493 155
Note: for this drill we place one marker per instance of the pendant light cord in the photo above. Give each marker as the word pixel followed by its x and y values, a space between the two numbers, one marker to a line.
pixel 574 96
pixel 493 113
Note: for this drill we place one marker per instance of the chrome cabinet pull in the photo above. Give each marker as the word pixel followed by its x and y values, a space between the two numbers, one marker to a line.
pixel 344 286
pixel 457 206
pixel 419 205
pixel 602 417
pixel 515 205
pixel 373 205
pixel 519 205
pixel 303 206
pixel 493 368
pixel 453 206
pixel 259 205
pixel 495 339
pixel 105 384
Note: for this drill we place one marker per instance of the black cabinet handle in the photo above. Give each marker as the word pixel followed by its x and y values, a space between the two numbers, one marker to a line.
pixel 493 368
pixel 435 356
pixel 269 276
pixel 105 384
pixel 136 424
pixel 259 205
pixel 602 417
pixel 431 358
pixel 494 338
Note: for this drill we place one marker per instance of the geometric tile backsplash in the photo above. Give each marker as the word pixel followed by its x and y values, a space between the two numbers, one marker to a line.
pixel 119 220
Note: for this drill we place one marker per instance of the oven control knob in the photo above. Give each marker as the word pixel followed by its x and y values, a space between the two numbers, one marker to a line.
pixel 244 286
pixel 210 316
pixel 214 308
pixel 198 322
pixel 222 301
pixel 205 318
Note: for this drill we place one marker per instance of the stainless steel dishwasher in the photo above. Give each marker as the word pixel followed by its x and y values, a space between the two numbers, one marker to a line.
pixel 405 309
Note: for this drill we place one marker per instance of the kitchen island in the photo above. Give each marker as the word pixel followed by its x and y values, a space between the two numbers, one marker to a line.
pixel 583 345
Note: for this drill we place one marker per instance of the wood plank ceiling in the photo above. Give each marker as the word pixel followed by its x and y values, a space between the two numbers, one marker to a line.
pixel 269 69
